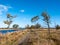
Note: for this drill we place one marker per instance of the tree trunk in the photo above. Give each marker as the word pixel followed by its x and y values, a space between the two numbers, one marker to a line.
pixel 8 26
pixel 48 29
pixel 48 33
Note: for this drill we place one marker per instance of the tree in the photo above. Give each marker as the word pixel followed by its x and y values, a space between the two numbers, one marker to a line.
pixel 9 20
pixel 15 26
pixel 57 27
pixel 46 19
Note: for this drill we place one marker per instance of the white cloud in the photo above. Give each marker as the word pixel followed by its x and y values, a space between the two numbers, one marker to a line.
pixel 22 11
pixel 4 8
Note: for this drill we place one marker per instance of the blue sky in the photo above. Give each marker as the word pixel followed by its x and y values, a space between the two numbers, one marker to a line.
pixel 26 9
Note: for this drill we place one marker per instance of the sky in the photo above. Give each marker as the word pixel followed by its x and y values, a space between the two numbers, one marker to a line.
pixel 26 9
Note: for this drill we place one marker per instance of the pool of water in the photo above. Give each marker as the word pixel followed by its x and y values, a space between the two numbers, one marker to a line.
pixel 6 31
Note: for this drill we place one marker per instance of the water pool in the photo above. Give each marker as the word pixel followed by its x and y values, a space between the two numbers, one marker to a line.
pixel 6 31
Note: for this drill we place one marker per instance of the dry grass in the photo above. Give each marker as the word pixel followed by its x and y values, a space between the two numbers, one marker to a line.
pixel 36 37
pixel 11 38
pixel 40 37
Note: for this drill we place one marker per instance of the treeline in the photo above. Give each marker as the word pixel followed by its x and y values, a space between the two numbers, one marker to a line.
pixel 36 26
pixel 46 18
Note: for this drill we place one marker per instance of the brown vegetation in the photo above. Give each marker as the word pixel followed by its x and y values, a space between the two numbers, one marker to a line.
pixel 40 37
pixel 12 38
pixel 35 37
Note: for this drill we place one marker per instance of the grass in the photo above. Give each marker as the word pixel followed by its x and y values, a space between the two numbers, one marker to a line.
pixel 36 37
pixel 41 36
pixel 11 38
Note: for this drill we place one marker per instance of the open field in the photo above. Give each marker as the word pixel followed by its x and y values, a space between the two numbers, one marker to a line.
pixel 40 37
pixel 34 36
